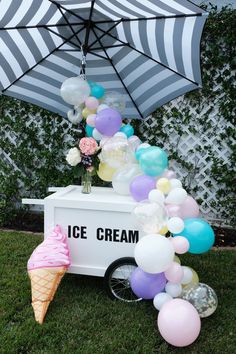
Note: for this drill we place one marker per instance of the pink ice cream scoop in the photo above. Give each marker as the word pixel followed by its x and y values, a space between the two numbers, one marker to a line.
pixel 52 252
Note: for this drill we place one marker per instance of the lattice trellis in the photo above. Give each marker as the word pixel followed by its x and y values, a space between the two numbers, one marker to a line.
pixel 193 147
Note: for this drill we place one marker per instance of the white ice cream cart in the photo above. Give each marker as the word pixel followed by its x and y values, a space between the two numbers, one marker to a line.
pixel 101 233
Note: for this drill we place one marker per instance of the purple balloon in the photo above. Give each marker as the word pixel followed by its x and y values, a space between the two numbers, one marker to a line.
pixel 141 186
pixel 146 285
pixel 108 121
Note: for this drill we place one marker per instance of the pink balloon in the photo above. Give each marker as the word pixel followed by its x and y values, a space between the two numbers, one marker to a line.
pixel 168 174
pixel 173 210
pixel 189 208
pixel 91 120
pixel 179 322
pixel 91 103
pixel 175 273
pixel 181 244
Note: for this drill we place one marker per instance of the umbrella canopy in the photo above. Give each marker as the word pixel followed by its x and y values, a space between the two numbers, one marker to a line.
pixel 147 50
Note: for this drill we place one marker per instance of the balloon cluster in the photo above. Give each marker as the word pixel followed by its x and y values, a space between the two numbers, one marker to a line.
pixel 164 208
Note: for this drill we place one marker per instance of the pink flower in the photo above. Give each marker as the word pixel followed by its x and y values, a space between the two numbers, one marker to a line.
pixel 88 146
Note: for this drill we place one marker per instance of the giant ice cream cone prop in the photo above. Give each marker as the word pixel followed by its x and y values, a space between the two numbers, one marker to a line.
pixel 46 267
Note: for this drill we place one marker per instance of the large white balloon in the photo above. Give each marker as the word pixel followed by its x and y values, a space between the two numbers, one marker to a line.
pixel 122 178
pixel 175 183
pixel 154 253
pixel 75 90
pixel 156 196
pixel 176 196
pixel 151 217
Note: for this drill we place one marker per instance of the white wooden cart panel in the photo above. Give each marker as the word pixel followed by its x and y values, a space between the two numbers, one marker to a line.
pixel 100 226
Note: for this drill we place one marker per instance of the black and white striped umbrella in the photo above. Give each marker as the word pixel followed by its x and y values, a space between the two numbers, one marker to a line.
pixel 147 50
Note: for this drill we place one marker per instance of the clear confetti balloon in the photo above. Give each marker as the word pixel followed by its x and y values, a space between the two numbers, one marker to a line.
pixel 116 152
pixel 151 217
pixel 115 100
pixel 202 297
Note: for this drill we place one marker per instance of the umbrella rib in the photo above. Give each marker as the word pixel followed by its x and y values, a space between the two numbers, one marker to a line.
pixel 67 10
pixel 41 26
pixel 62 37
pixel 72 29
pixel 88 29
pixel 40 61
pixel 116 24
pixel 109 46
pixel 148 56
pixel 152 18
pixel 117 73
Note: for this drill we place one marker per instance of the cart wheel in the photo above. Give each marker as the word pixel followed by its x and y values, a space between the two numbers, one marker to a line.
pixel 117 280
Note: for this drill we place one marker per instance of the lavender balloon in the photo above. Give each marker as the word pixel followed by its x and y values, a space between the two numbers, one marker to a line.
pixel 141 186
pixel 108 121
pixel 146 285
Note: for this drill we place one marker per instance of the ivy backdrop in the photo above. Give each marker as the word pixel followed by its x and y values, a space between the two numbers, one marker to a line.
pixel 197 130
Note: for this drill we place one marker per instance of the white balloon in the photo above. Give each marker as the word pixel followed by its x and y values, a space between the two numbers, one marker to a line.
pixel 188 275
pixel 116 152
pixel 120 134
pixel 173 289
pixel 122 178
pixel 160 299
pixel 104 140
pixel 75 90
pixel 151 217
pixel 175 183
pixel 143 146
pixel 175 225
pixel 156 196
pixel 176 196
pixel 134 142
pixel 115 100
pixel 75 116
pixel 101 107
pixel 96 135
pixel 154 253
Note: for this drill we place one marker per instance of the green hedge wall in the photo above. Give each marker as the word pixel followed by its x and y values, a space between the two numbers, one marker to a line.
pixel 36 140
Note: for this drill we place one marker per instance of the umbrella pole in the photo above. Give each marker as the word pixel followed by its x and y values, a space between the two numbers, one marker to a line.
pixel 83 64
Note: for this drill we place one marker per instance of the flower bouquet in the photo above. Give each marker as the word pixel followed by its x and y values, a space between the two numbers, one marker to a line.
pixel 85 156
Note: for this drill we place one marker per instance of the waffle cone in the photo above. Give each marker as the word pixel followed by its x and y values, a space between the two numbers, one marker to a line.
pixel 44 284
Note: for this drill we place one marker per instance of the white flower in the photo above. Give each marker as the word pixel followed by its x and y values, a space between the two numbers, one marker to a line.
pixel 73 157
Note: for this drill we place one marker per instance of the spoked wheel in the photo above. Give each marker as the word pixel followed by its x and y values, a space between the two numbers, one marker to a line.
pixel 117 280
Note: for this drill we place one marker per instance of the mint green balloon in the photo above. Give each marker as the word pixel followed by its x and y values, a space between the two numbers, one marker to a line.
pixel 153 161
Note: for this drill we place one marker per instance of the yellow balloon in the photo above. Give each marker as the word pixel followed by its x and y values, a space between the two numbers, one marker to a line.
pixel 195 279
pixel 163 230
pixel 86 112
pixel 163 185
pixel 105 172
pixel 177 260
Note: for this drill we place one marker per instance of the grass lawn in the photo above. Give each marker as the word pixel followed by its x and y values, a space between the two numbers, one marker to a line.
pixel 82 319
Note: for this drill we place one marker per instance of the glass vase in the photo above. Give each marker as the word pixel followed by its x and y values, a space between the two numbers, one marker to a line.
pixel 86 182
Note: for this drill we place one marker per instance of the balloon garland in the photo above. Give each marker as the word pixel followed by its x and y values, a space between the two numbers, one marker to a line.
pixel 163 208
